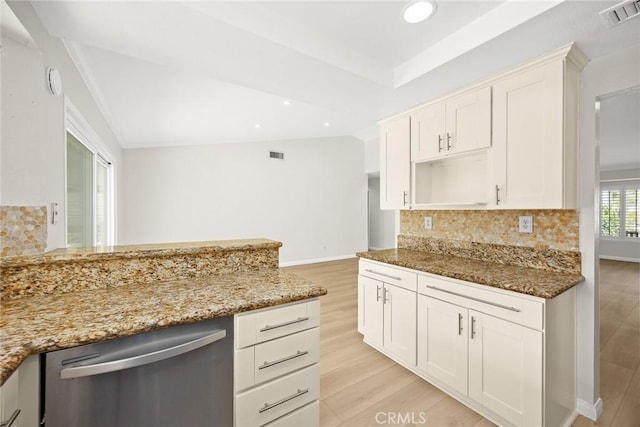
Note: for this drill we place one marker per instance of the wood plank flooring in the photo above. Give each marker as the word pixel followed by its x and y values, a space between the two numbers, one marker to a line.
pixel 361 387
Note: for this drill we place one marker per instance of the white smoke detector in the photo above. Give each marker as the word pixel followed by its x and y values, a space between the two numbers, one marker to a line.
pixel 620 13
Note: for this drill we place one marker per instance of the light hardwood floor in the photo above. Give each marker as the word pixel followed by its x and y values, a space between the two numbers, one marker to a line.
pixel 358 384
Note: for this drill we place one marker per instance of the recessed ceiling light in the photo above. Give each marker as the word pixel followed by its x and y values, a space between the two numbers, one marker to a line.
pixel 418 10
pixel 257 125
pixel 326 124
pixel 287 102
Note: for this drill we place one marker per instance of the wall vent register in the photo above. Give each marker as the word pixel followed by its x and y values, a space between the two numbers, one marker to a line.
pixel 276 155
pixel 620 13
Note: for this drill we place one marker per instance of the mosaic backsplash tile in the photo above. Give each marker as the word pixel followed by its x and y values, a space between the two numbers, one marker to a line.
pixel 23 230
pixel 552 229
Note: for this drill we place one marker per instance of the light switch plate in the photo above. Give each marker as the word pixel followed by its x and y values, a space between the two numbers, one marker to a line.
pixel 428 223
pixel 526 224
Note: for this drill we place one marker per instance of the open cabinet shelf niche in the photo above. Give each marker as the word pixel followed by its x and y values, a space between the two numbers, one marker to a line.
pixel 453 181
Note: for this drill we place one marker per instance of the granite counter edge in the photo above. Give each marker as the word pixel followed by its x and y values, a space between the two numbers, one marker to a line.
pixel 568 280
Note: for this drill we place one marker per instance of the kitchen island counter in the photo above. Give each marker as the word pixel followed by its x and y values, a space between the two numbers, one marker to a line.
pixel 41 323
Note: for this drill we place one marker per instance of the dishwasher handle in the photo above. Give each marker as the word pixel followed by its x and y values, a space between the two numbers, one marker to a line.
pixel 143 359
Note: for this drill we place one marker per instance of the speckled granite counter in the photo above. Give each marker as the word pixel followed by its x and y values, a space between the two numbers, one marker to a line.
pixel 40 323
pixel 70 297
pixel 66 270
pixel 537 282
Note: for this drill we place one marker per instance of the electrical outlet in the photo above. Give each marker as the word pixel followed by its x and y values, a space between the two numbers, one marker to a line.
pixel 526 224
pixel 428 223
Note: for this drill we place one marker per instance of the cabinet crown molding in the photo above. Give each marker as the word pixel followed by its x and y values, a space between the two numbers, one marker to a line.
pixel 570 53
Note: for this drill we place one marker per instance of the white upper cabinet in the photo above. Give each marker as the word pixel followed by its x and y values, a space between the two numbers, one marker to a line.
pixel 508 142
pixel 395 164
pixel 452 126
pixel 535 136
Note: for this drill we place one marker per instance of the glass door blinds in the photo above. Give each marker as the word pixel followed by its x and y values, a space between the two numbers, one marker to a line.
pixel 88 196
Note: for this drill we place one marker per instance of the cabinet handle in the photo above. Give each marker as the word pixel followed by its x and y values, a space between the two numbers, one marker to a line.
pixel 284 359
pixel 495 304
pixel 497 195
pixel 385 298
pixel 459 323
pixel 382 274
pixel 473 327
pixel 449 141
pixel 11 420
pixel 268 406
pixel 377 292
pixel 280 325
pixel 404 198
pixel 439 143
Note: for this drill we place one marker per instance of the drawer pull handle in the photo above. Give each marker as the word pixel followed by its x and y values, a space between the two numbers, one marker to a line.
pixel 495 304
pixel 11 420
pixel 268 406
pixel 280 325
pixel 284 359
pixel 382 274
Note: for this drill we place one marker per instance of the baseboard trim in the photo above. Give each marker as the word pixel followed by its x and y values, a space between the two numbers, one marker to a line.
pixel 619 258
pixel 316 260
pixel 590 410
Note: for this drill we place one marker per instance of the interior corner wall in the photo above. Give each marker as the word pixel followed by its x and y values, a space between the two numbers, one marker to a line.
pixel 372 156
pixel 605 75
pixel 33 127
pixel 381 222
pixel 313 201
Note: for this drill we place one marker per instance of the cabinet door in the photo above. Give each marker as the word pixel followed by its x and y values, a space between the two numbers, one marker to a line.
pixel 400 322
pixel 395 164
pixel 505 368
pixel 442 342
pixel 469 122
pixel 428 133
pixel 370 309
pixel 528 139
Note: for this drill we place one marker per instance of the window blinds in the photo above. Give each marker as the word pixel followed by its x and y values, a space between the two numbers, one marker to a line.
pixel 610 213
pixel 631 203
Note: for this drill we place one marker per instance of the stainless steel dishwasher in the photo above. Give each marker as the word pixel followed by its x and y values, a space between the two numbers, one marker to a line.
pixel 178 376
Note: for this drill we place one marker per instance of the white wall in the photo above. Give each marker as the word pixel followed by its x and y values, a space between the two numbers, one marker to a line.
pixel 33 131
pixel 605 75
pixel 313 201
pixel 372 156
pixel 382 223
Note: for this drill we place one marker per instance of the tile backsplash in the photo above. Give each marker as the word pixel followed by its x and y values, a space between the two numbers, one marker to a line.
pixel 552 229
pixel 23 230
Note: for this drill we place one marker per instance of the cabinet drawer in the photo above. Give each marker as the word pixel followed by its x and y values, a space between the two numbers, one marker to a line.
pixel 523 310
pixel 309 416
pixel 265 403
pixel 388 274
pixel 272 359
pixel 268 324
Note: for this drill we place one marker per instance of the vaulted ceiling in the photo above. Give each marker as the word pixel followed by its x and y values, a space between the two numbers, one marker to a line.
pixel 173 73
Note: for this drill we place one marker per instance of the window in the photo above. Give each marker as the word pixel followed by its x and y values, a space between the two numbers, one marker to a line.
pixel 619 206
pixel 89 193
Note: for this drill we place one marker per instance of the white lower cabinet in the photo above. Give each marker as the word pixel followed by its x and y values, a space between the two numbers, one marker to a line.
pixel 508 356
pixel 19 395
pixel 387 312
pixel 276 370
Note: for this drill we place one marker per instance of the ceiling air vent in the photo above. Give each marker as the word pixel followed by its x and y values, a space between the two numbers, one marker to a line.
pixel 620 13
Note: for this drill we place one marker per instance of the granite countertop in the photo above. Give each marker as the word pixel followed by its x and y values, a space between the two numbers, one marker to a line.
pixel 101 253
pixel 531 281
pixel 41 323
